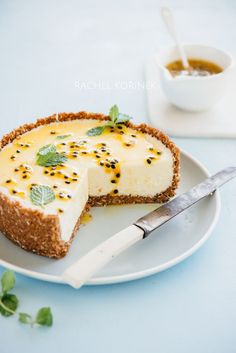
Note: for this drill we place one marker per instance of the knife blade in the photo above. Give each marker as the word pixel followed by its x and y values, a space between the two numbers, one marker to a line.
pixel 83 269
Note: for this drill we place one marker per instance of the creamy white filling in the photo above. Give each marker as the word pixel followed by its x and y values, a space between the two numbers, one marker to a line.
pixel 75 207
pixel 135 179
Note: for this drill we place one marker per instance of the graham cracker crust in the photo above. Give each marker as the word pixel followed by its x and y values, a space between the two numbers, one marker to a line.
pixel 34 231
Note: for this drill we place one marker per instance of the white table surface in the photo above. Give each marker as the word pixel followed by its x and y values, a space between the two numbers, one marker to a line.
pixel 81 55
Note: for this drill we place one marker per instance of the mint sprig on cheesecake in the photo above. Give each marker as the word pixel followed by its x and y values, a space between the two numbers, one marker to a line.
pixel 115 118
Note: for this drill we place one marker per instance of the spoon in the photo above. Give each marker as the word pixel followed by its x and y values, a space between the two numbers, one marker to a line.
pixel 168 18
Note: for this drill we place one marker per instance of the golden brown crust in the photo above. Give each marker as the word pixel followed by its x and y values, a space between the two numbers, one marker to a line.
pixel 32 230
pixel 36 232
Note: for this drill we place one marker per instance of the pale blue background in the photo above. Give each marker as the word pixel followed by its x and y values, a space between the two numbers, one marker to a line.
pixel 45 46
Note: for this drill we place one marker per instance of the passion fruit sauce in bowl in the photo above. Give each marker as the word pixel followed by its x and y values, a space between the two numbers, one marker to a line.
pixel 197 67
pixel 201 87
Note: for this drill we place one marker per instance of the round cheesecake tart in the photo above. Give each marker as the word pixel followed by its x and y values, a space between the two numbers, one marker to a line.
pixel 54 170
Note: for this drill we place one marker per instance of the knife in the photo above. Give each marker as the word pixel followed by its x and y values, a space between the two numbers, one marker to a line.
pixel 82 270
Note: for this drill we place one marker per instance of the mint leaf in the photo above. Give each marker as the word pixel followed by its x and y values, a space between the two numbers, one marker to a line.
pixel 41 195
pixel 8 304
pixel 51 159
pixel 44 317
pixel 95 131
pixel 123 118
pixel 61 137
pixel 25 318
pixel 48 156
pixel 43 151
pixel 8 281
pixel 113 113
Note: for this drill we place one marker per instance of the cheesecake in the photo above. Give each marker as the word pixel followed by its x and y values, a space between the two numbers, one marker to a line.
pixel 55 169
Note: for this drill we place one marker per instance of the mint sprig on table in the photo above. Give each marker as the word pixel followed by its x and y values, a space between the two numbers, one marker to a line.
pixel 41 195
pixel 9 304
pixel 48 156
pixel 115 117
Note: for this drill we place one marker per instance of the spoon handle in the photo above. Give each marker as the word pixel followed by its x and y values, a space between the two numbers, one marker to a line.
pixel 170 24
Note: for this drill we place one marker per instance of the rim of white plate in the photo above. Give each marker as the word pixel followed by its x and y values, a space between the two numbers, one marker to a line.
pixel 139 274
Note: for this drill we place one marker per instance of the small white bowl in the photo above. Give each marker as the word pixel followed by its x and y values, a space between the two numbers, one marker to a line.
pixel 195 93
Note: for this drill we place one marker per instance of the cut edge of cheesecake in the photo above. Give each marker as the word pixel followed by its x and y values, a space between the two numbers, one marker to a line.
pixel 38 232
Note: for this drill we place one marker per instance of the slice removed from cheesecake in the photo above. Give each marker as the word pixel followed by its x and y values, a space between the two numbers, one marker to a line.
pixel 57 168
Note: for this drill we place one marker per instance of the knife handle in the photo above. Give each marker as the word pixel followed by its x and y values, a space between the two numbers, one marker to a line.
pixel 83 269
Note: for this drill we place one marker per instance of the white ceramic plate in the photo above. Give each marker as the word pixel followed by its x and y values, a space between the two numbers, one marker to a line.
pixel 167 246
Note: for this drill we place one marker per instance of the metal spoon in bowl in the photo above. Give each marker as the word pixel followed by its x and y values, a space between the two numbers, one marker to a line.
pixel 168 18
